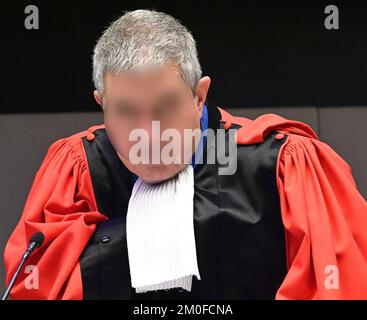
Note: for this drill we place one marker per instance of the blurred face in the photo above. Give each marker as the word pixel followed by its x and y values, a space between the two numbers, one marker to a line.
pixel 137 100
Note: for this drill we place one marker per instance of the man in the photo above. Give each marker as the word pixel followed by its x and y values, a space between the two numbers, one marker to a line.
pixel 279 216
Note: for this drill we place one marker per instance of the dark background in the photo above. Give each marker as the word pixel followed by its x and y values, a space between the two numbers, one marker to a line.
pixel 257 55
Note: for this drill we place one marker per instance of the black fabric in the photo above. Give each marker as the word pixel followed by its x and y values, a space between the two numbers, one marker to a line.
pixel 237 221
pixel 112 182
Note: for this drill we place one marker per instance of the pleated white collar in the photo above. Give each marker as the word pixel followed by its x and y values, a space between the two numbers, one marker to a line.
pixel 160 234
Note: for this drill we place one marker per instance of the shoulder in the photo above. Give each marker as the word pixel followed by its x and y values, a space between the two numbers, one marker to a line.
pixel 78 136
pixel 257 130
pixel 71 147
pixel 275 132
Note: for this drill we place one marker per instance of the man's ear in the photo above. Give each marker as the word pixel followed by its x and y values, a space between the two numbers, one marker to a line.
pixel 98 98
pixel 202 91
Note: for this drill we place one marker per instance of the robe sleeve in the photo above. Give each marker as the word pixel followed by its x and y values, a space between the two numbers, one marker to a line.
pixel 325 221
pixel 62 206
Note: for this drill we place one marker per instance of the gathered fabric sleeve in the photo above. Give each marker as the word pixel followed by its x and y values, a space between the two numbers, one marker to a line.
pixel 325 221
pixel 62 206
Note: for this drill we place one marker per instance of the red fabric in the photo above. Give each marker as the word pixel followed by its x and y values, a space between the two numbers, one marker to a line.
pixel 324 215
pixel 325 218
pixel 61 204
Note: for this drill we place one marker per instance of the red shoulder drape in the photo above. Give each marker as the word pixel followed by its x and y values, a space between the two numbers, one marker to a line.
pixel 325 220
pixel 324 215
pixel 61 204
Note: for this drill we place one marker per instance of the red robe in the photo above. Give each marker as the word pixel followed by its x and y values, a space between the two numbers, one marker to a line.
pixel 323 213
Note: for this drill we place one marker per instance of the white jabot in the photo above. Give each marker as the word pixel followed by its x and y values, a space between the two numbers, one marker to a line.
pixel 160 234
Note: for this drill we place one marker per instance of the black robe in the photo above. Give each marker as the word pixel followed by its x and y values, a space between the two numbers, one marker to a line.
pixel 286 222
pixel 239 235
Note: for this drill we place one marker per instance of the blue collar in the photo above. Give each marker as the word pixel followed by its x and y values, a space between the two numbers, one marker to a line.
pixel 204 126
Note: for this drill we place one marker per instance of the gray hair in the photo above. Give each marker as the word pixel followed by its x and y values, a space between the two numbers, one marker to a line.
pixel 145 37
